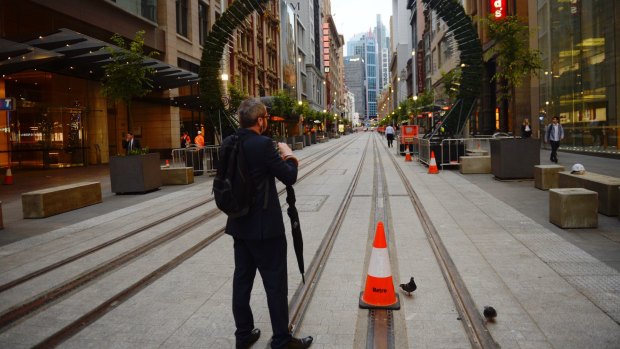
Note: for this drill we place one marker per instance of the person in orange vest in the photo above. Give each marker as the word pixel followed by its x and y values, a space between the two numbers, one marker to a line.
pixel 199 140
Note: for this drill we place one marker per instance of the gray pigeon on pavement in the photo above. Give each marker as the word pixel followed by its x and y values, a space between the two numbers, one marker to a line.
pixel 489 313
pixel 409 287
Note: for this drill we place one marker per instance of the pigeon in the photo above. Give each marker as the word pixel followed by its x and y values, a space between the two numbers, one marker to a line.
pixel 489 313
pixel 409 287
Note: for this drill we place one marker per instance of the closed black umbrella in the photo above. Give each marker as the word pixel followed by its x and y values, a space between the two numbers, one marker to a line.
pixel 298 241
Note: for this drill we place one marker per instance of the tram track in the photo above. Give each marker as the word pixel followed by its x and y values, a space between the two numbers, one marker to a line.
pixel 53 295
pixel 34 274
pixel 473 324
pixel 303 295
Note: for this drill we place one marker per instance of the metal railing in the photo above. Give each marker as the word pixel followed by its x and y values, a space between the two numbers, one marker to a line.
pixel 413 146
pixel 201 159
pixel 453 148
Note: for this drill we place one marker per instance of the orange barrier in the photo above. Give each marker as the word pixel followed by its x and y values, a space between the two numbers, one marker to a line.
pixel 432 167
pixel 379 291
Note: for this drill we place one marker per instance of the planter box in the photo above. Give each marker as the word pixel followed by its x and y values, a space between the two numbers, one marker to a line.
pixel 135 173
pixel 513 158
pixel 313 137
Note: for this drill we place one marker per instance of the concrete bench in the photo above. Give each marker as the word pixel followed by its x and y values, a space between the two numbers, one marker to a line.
pixel 477 152
pixel 573 207
pixel 546 176
pixel 177 175
pixel 299 145
pixel 605 186
pixel 51 201
pixel 475 164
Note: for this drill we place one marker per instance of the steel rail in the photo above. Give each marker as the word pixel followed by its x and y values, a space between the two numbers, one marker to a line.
pixel 380 321
pixel 303 295
pixel 77 325
pixel 82 254
pixel 477 332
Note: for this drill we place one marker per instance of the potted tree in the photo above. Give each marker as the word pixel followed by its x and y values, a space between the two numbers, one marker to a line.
pixel 125 78
pixel 512 157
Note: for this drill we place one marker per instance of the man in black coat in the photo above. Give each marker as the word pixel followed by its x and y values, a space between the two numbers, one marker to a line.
pixel 259 240
pixel 130 143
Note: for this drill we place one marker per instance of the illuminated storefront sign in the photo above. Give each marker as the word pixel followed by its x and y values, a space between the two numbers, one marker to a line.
pixel 498 9
pixel 7 104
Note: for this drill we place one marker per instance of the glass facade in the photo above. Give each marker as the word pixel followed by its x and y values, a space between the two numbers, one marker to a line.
pixel 47 128
pixel 578 83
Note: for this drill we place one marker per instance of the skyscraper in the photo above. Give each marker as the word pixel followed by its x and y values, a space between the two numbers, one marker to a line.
pixel 365 46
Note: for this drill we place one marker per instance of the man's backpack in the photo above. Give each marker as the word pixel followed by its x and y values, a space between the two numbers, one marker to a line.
pixel 233 188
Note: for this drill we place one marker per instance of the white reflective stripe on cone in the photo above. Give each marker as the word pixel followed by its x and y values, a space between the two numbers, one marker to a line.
pixel 379 265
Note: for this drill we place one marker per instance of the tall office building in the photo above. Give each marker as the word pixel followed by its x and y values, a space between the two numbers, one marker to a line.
pixel 355 78
pixel 383 44
pixel 365 46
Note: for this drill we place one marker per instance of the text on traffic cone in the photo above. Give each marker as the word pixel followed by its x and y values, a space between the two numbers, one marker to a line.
pixel 432 166
pixel 379 290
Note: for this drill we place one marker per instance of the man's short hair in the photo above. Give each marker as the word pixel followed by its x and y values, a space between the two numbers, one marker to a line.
pixel 555 117
pixel 249 111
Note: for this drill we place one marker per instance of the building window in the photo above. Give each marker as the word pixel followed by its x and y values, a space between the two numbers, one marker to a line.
pixel 148 9
pixel 181 8
pixel 203 21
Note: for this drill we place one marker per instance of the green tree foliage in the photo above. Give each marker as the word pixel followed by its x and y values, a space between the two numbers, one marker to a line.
pixel 125 76
pixel 283 104
pixel 237 96
pixel 515 60
pixel 451 83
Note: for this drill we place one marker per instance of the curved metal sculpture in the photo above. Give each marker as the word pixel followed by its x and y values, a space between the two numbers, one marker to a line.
pixel 215 44
pixel 464 33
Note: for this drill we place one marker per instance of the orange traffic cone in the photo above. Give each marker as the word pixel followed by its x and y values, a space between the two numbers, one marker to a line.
pixel 167 163
pixel 432 167
pixel 8 179
pixel 379 291
pixel 408 155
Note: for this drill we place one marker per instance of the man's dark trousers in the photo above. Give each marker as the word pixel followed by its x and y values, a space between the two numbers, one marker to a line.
pixel 554 150
pixel 259 254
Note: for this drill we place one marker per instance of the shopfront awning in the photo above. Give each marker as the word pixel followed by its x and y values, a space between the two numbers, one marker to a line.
pixel 71 53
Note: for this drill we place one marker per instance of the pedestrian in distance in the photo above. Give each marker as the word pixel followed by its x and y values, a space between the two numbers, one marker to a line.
pixel 185 139
pixel 258 236
pixel 130 143
pixel 389 134
pixel 199 140
pixel 553 135
pixel 526 129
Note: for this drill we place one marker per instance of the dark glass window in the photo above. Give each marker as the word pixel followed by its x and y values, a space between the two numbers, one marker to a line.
pixel 181 8
pixel 203 21
pixel 148 9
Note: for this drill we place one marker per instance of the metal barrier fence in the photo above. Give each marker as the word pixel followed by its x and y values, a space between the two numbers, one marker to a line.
pixel 401 148
pixel 201 159
pixel 424 150
pixel 453 148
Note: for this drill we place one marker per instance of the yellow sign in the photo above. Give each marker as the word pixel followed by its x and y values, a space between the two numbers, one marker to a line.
pixel 340 128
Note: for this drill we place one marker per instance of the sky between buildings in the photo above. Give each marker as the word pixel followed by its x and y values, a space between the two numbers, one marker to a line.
pixel 358 16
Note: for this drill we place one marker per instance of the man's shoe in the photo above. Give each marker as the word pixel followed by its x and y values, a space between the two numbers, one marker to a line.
pixel 254 335
pixel 299 343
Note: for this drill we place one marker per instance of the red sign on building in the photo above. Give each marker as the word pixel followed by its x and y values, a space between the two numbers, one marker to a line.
pixel 498 9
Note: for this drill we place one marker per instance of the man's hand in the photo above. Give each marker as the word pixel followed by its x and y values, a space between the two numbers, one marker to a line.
pixel 285 150
pixel 287 153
